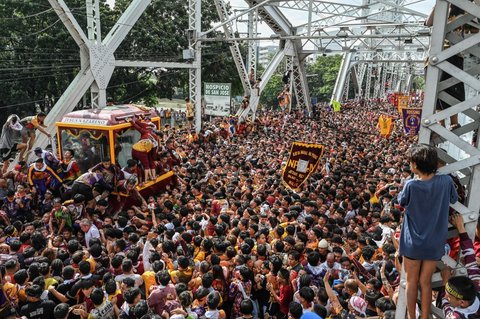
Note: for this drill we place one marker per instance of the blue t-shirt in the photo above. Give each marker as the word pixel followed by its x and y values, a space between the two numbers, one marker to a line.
pixel 425 220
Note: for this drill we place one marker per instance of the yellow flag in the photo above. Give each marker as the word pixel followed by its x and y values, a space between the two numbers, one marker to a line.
pixel 385 124
pixel 336 106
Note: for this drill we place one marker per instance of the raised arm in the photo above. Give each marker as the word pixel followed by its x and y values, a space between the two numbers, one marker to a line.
pixel 331 294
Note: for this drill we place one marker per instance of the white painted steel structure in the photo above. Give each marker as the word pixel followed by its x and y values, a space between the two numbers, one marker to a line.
pixel 382 41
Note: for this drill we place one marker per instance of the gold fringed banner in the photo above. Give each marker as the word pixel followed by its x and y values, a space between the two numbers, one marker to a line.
pixel 95 134
pixel 385 125
pixel 402 103
pixel 303 161
pixel 411 120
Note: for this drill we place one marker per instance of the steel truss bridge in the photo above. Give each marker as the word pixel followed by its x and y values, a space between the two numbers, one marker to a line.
pixel 382 41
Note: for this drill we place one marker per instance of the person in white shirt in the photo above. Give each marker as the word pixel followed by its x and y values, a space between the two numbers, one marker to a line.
pixel 90 230
pixel 387 230
pixel 127 268
pixel 330 264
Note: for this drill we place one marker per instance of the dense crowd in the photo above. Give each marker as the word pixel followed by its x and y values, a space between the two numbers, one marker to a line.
pixel 227 239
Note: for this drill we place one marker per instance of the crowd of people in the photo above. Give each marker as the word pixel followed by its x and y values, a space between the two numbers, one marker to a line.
pixel 226 239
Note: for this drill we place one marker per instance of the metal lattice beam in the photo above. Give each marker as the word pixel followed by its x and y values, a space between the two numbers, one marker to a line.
pixel 195 74
pixel 234 46
pixel 97 61
pixel 252 45
pixel 469 162
pixel 320 7
pixel 274 18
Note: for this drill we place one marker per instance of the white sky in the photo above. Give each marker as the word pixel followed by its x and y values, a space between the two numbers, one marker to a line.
pixel 298 17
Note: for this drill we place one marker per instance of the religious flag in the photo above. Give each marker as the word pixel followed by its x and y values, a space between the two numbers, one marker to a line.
pixel 411 120
pixel 303 161
pixel 336 106
pixel 402 103
pixel 391 98
pixel 385 124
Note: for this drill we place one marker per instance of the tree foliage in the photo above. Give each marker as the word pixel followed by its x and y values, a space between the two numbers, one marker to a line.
pixel 39 59
pixel 271 91
pixel 322 75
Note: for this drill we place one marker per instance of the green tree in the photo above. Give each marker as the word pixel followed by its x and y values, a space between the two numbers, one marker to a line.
pixel 39 59
pixel 160 35
pixel 322 75
pixel 419 83
pixel 271 91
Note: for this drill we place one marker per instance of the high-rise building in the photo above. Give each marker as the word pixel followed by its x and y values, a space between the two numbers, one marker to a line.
pixel 266 53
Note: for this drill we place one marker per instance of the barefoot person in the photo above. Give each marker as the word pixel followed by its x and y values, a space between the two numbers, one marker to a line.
pixel 426 201
pixel 30 124
pixel 189 112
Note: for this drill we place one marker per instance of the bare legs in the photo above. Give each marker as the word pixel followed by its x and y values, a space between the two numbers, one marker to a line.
pixel 419 275
pixel 426 272
pixel 20 147
pixel 150 174
pixel 31 141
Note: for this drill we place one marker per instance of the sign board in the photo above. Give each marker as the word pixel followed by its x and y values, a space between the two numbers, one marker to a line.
pixel 217 98
pixel 303 161
pixel 86 121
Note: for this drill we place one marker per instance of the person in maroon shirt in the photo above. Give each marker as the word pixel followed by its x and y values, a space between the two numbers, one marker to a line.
pixel 162 293
pixel 286 292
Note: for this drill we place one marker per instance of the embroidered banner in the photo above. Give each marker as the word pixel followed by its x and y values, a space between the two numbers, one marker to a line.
pixel 402 102
pixel 385 125
pixel 303 161
pixel 411 120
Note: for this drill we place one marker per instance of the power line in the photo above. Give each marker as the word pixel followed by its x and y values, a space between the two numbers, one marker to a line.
pixel 35 33
pixel 44 50
pixel 14 74
pixel 126 100
pixel 28 16
pixel 41 67
pixel 24 103
pixel 33 77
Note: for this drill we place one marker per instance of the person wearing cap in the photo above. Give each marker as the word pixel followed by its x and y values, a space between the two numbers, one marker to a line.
pixel 357 306
pixel 323 249
pixel 37 308
pixel 8 145
pixel 38 177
